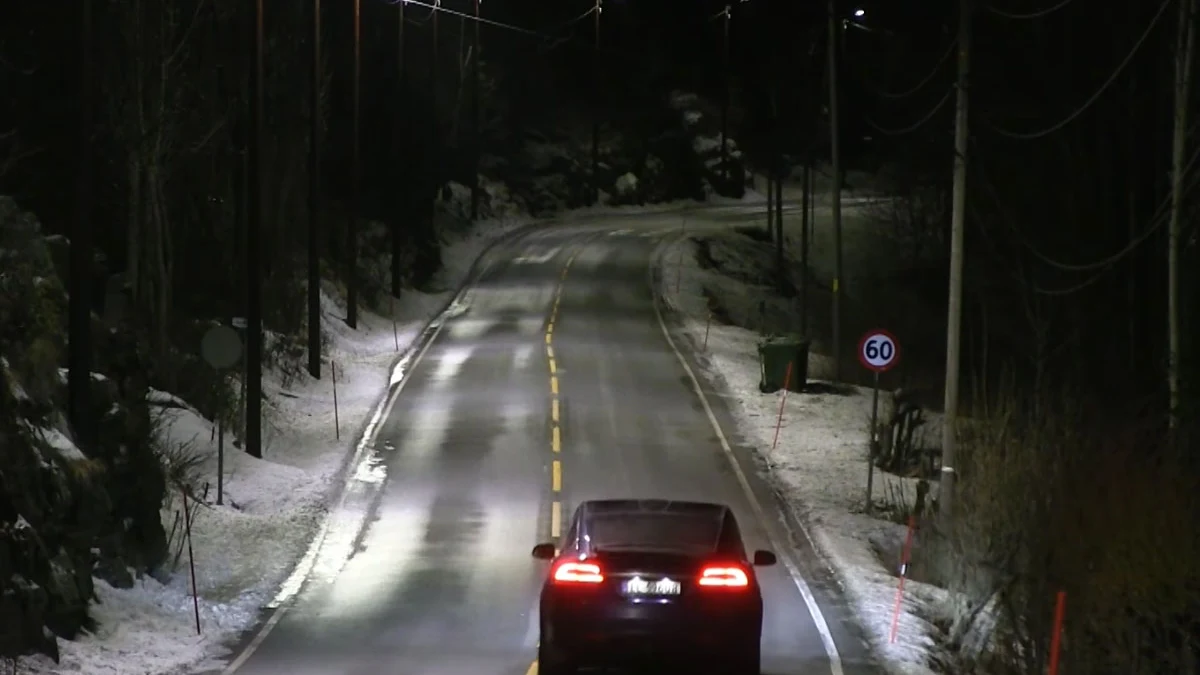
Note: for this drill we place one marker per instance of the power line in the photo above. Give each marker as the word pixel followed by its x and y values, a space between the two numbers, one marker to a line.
pixel 924 81
pixel 918 124
pixel 498 24
pixel 1032 15
pixel 1021 279
pixel 1028 136
pixel 1103 264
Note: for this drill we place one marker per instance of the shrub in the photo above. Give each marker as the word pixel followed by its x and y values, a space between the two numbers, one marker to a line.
pixel 1070 500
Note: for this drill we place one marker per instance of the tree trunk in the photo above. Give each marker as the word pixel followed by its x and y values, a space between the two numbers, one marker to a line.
pixel 133 237
pixel 1185 46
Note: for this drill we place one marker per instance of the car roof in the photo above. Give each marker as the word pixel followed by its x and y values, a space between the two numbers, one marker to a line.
pixel 590 510
pixel 599 507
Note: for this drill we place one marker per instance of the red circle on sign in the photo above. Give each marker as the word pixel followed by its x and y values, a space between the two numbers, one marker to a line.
pixel 878 363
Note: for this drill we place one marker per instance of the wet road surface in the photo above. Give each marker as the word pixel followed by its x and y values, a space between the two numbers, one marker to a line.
pixel 552 382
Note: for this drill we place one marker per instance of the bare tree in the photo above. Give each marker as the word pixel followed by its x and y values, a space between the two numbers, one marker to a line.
pixel 147 113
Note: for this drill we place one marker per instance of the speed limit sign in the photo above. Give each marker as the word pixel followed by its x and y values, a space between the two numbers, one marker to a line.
pixel 878 350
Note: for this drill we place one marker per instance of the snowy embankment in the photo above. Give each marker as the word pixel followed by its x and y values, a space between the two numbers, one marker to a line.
pixel 245 549
pixel 819 463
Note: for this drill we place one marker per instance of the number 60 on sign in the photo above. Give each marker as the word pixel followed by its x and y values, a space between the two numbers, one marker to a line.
pixel 878 350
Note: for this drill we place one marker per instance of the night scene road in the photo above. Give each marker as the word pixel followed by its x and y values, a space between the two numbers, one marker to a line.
pixel 550 382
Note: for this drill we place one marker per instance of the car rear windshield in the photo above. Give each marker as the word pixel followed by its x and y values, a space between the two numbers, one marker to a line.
pixel 691 533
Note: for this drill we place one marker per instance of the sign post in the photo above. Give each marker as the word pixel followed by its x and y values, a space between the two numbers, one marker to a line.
pixel 878 352
pixel 221 347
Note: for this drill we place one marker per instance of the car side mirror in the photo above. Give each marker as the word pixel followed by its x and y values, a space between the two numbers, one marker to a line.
pixel 544 551
pixel 764 559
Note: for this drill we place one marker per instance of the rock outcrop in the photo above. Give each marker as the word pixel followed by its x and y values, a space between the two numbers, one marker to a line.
pixel 66 514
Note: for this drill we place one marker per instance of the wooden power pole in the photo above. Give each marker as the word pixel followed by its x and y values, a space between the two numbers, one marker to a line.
pixel 957 232
pixel 835 150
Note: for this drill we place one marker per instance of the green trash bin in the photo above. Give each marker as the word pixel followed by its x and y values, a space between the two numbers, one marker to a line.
pixel 774 355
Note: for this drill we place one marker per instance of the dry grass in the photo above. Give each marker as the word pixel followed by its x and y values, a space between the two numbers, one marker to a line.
pixel 1064 501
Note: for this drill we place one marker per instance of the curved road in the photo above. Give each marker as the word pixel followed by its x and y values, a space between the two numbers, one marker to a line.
pixel 552 382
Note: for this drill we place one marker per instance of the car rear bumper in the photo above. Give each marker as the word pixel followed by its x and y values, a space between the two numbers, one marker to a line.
pixel 608 634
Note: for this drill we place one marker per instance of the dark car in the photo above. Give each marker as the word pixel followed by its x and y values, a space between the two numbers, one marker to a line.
pixel 639 580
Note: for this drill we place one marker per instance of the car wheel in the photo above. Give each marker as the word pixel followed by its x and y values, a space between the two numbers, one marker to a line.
pixel 747 662
pixel 552 661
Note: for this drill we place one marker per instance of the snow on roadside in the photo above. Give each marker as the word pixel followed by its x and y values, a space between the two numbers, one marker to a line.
pixel 819 464
pixel 245 548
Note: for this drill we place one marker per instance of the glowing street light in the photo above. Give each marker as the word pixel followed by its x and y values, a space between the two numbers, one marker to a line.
pixel 860 13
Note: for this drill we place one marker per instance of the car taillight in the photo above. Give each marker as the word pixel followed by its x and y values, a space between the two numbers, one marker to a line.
pixel 725 576
pixel 575 572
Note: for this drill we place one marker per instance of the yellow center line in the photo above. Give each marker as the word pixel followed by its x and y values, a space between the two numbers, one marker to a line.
pixel 553 368
pixel 554 410
pixel 533 669
pixel 553 385
pixel 547 338
pixel 556 519
pixel 556 440
pixel 549 352
pixel 550 328
pixel 556 476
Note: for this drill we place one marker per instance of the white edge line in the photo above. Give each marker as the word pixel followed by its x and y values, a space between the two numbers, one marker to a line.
pixel 814 610
pixel 300 574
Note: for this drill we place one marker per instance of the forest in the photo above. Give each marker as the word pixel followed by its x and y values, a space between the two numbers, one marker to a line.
pixel 1076 462
pixel 1077 465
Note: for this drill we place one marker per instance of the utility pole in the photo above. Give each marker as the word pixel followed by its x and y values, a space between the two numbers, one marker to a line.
pixel 779 266
pixel 475 106
pixel 770 205
pixel 804 203
pixel 596 106
pixel 79 371
pixel 355 159
pixel 314 201
pixel 725 100
pixel 1185 44
pixel 433 96
pixel 398 143
pixel 254 328
pixel 837 193
pixel 957 234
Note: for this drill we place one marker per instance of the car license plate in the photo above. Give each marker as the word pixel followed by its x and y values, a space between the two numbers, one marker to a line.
pixel 664 586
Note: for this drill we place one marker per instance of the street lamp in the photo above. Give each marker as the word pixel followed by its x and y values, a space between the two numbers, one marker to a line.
pixel 728 14
pixel 859 13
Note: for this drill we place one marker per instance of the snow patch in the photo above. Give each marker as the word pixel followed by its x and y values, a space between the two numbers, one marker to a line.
pixel 819 463
pixel 246 547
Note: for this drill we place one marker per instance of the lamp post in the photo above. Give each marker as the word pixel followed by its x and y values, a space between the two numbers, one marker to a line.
pixel 254 332
pixel 79 375
pixel 352 234
pixel 596 105
pixel 314 201
pixel 728 14
pixel 398 142
pixel 477 150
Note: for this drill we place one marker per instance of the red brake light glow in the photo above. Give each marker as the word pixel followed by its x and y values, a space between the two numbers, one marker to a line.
pixel 724 576
pixel 575 572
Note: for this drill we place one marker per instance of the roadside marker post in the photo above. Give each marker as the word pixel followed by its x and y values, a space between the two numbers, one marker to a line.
pixel 682 243
pixel 187 526
pixel 337 425
pixel 878 352
pixel 1060 609
pixel 904 558
pixel 787 381
pixel 395 330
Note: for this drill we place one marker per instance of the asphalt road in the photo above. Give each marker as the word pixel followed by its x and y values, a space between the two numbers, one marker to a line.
pixel 551 384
